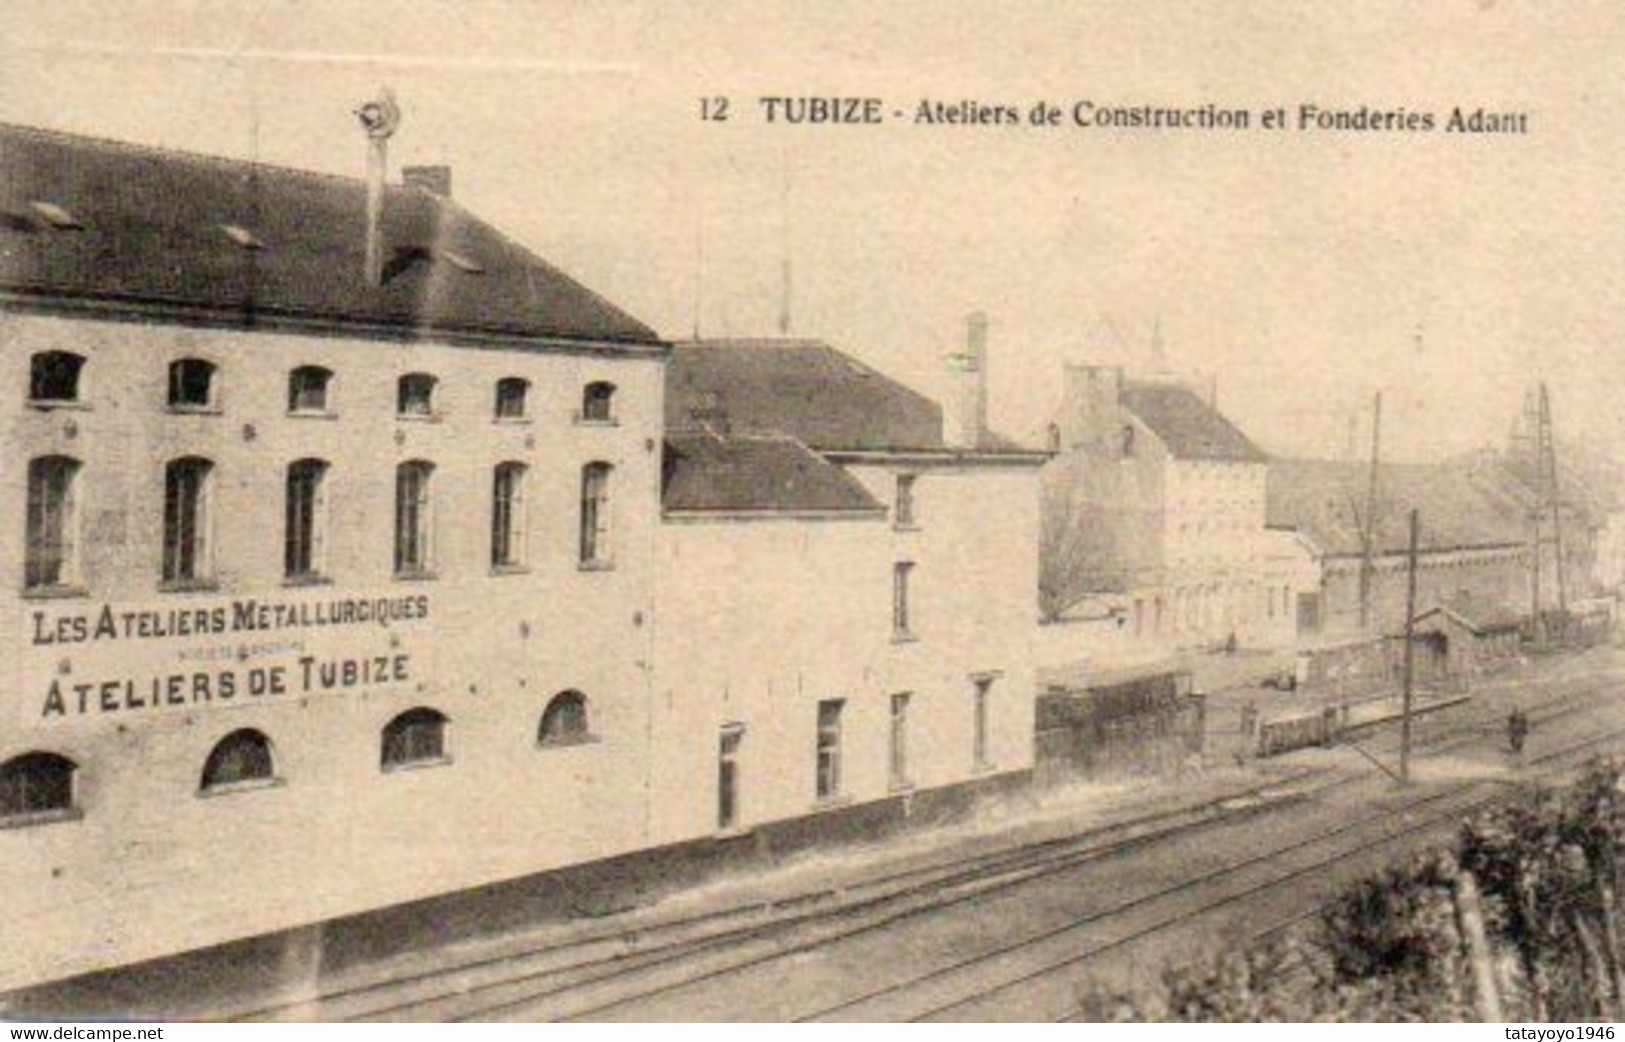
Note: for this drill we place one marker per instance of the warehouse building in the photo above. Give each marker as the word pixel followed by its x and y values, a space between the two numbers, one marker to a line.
pixel 341 587
pixel 841 571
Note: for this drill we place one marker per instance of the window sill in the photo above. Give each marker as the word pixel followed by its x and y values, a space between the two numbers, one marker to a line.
pixel 189 586
pixel 295 581
pixel 512 421
pixel 53 405
pixel 582 421
pixel 417 575
pixel 568 742
pixel 57 592
pixel 904 637
pixel 194 410
pixel 595 566
pixel 407 417
pixel 416 765
pixel 235 788
pixel 40 818
pixel 312 414
pixel 979 769
pixel 829 803
pixel 900 788
pixel 733 832
pixel 498 570
pixel 905 526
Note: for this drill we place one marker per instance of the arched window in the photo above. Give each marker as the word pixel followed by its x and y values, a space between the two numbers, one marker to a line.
pixel 1052 437
pixel 191 384
pixel 53 377
pixel 417 736
pixel 564 721
pixel 414 395
pixel 241 759
pixel 413 517
pixel 305 537
pixel 595 513
pixel 52 522
pixel 508 516
pixel 512 393
pixel 186 519
pixel 598 402
pixel 307 390
pixel 36 785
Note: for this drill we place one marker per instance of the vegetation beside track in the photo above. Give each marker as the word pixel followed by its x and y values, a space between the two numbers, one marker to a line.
pixel 1517 919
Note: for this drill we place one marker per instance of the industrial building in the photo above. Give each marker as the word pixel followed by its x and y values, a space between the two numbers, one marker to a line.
pixel 358 565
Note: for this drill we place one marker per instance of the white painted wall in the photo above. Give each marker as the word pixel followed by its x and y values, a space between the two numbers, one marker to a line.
pixel 152 867
pixel 760 620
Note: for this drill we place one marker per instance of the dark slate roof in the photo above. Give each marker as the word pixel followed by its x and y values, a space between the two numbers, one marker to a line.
pixel 1323 498
pixel 151 236
pixel 1190 427
pixel 812 392
pixel 802 388
pixel 705 472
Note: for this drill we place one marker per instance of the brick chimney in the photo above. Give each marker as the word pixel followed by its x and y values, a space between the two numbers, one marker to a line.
pixel 435 179
pixel 964 417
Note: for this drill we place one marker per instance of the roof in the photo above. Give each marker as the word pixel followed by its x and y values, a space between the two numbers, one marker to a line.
pixel 1476 613
pixel 1324 500
pixel 1190 427
pixel 705 472
pixel 801 388
pixel 154 232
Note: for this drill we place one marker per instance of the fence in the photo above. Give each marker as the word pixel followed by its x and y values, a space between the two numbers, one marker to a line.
pixel 1148 725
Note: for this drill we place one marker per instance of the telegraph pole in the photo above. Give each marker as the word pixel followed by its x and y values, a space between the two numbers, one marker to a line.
pixel 1410 652
pixel 1554 498
pixel 1368 564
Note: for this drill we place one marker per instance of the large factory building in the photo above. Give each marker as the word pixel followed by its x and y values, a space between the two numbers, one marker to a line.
pixel 332 587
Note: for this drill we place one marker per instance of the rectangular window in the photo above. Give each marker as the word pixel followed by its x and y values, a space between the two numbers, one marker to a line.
pixel 50 513
pixel 829 749
pixel 982 695
pixel 903 507
pixel 728 776
pixel 595 513
pixel 899 741
pixel 901 619
pixel 302 547
pixel 185 521
pixel 412 517
pixel 508 516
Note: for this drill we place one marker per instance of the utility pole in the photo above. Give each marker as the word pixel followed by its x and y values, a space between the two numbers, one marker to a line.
pixel 1410 652
pixel 1554 498
pixel 1368 563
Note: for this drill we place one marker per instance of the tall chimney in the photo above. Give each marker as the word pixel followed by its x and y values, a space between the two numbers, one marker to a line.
pixel 964 421
pixel 433 179
pixel 379 119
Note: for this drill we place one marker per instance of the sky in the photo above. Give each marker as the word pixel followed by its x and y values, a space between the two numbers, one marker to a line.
pixel 1308 270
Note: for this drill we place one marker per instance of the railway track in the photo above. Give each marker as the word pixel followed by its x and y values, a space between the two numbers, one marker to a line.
pixel 591 976
pixel 967 982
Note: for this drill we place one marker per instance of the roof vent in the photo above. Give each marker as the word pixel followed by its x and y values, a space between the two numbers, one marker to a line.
pixel 462 261
pixel 242 237
pixel 56 216
pixel 433 179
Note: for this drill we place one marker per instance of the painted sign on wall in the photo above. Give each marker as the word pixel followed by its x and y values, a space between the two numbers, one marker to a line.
pixel 88 660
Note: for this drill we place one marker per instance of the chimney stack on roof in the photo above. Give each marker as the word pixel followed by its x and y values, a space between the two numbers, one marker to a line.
pixel 435 179
pixel 964 420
